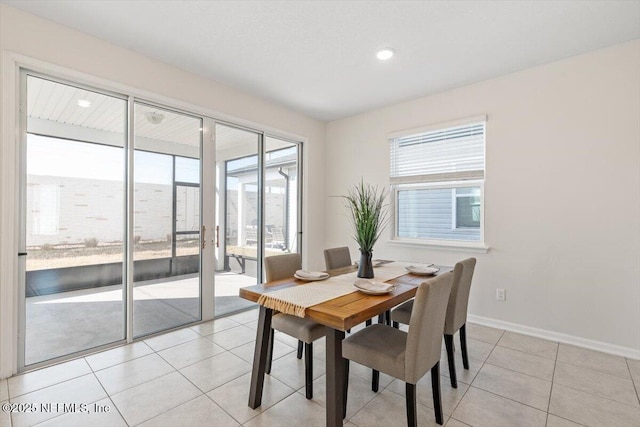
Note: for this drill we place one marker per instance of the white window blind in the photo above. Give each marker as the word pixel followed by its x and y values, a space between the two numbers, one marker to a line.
pixel 451 154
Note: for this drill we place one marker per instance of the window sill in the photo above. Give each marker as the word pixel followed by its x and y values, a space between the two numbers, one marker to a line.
pixel 448 245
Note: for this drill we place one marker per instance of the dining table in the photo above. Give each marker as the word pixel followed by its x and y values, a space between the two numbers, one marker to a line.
pixel 338 315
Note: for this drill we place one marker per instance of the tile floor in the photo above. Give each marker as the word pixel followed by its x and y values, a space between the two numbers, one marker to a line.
pixel 200 376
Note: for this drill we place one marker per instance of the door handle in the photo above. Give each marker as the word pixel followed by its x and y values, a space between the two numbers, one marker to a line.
pixel 217 236
pixel 203 235
pixel 22 254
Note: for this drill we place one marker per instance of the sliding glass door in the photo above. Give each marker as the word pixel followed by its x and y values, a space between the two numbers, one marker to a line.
pixel 166 219
pixel 72 243
pixel 258 192
pixel 111 239
pixel 122 227
pixel 281 204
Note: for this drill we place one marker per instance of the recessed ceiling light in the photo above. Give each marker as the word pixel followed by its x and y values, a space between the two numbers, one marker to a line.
pixel 84 103
pixel 385 54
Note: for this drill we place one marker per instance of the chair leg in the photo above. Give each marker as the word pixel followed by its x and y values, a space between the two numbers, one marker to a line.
pixel 435 388
pixel 367 323
pixel 375 381
pixel 387 317
pixel 448 343
pixel 381 318
pixel 349 330
pixel 300 344
pixel 269 352
pixel 346 388
pixel 463 346
pixel 308 369
pixel 396 325
pixel 412 412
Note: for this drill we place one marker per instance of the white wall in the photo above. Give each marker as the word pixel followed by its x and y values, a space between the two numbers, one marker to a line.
pixel 562 193
pixel 33 37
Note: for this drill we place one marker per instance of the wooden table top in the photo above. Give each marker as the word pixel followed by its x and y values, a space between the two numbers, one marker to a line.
pixel 349 310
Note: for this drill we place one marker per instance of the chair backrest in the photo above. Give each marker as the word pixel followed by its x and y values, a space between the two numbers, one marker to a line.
pixel 459 299
pixel 282 266
pixel 424 341
pixel 337 258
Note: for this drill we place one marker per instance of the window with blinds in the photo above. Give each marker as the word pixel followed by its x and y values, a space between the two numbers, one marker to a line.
pixel 438 181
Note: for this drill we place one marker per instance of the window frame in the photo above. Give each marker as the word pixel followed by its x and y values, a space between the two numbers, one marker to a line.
pixel 440 181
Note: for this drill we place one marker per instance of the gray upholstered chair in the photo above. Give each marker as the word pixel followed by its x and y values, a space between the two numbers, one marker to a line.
pixel 304 330
pixel 337 258
pixel 407 355
pixel 456 314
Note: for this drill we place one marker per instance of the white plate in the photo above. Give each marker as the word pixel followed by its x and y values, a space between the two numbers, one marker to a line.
pixel 422 271
pixel 311 279
pixel 364 291
pixel 371 291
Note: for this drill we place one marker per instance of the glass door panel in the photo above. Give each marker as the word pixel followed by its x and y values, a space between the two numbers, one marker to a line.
pixel 74 221
pixel 166 220
pixel 281 181
pixel 238 215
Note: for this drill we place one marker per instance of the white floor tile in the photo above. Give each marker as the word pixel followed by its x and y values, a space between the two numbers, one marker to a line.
pixel 215 371
pixel 531 345
pixel 481 408
pixel 82 390
pixel 450 396
pixel 4 390
pixel 190 352
pixel 233 396
pixel 483 333
pixel 216 325
pixel 455 423
pixel 148 400
pixel 5 417
pixel 245 351
pixel 554 421
pixel 602 362
pixel 130 374
pixel 515 386
pixel 359 393
pixel 525 363
pixel 293 411
pixel 591 410
pixel 200 411
pixel 290 370
pixel 31 381
pixel 171 339
pixel 245 317
pixel 99 414
pixel 234 337
pixel 118 355
pixel 598 383
pixel 389 409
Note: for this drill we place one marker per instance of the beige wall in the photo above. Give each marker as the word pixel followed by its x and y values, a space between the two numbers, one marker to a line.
pixel 562 193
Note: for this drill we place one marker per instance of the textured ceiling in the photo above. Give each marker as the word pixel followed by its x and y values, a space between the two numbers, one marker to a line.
pixel 319 57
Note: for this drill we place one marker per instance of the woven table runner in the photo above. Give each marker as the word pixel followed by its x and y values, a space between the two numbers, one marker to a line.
pixel 296 299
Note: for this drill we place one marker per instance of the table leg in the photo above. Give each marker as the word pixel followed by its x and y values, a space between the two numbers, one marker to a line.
pixel 260 357
pixel 335 377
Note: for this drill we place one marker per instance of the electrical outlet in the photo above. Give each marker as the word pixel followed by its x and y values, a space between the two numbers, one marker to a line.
pixel 501 295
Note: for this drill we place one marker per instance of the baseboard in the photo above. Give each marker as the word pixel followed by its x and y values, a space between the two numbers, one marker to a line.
pixel 617 350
